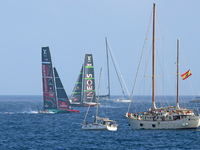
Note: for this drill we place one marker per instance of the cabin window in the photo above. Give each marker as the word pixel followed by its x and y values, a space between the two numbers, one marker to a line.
pixel 153 125
pixel 141 124
pixel 176 117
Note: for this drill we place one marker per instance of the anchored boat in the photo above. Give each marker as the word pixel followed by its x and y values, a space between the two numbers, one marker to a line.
pixel 54 95
pixel 106 97
pixel 99 123
pixel 171 117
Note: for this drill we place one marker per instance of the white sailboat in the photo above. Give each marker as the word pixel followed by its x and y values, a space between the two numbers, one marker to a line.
pixel 171 117
pixel 123 97
pixel 100 123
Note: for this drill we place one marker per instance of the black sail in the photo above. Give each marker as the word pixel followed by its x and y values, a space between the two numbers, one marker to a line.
pixel 62 99
pixel 89 80
pixel 49 95
pixel 77 91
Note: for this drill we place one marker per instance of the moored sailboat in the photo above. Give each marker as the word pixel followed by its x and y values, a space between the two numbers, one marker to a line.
pixel 171 117
pixel 84 93
pixel 106 97
pixel 99 123
pixel 54 96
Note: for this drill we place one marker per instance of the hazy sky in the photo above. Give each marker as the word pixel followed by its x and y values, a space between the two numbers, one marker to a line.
pixel 72 28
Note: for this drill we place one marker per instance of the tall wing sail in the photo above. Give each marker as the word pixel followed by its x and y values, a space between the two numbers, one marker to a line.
pixel 49 95
pixel 77 92
pixel 62 99
pixel 89 80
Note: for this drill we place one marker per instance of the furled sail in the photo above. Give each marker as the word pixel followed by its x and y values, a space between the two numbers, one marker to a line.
pixel 77 92
pixel 62 99
pixel 89 80
pixel 49 95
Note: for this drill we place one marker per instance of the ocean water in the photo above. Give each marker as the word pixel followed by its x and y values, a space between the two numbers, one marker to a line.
pixel 21 127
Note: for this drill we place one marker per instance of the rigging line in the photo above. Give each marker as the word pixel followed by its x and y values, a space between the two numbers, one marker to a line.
pixel 111 54
pixel 98 93
pixel 188 67
pixel 140 62
pixel 143 80
pixel 119 70
pixel 158 22
pixel 162 86
pixel 185 62
pixel 163 52
pixel 169 78
pixel 91 100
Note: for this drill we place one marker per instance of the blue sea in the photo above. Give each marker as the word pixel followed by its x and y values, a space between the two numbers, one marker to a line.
pixel 22 127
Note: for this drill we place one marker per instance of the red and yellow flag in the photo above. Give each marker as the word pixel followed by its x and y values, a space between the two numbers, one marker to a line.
pixel 186 75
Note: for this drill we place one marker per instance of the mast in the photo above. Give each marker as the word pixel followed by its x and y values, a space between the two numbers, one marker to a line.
pixel 108 69
pixel 177 105
pixel 98 95
pixel 153 59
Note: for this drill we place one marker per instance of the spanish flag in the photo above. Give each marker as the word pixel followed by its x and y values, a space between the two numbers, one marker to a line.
pixel 186 75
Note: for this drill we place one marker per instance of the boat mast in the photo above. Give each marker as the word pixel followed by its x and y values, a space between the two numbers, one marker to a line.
pixel 108 69
pixel 177 105
pixel 83 80
pixel 153 59
pixel 98 96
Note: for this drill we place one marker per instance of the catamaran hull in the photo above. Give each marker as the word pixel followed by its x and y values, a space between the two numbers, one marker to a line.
pixel 58 111
pixel 99 127
pixel 83 104
pixel 185 123
pixel 122 100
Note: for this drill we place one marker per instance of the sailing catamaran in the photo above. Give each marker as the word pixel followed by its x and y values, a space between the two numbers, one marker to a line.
pixel 100 123
pixel 54 95
pixel 172 117
pixel 83 93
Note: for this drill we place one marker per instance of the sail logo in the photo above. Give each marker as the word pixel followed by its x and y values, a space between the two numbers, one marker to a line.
pixel 89 86
pixel 89 58
pixel 51 94
pixel 63 105
pixel 89 64
pixel 45 51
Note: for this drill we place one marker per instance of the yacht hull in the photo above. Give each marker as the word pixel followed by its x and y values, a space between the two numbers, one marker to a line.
pixel 185 123
pixel 58 111
pixel 83 104
pixel 99 127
